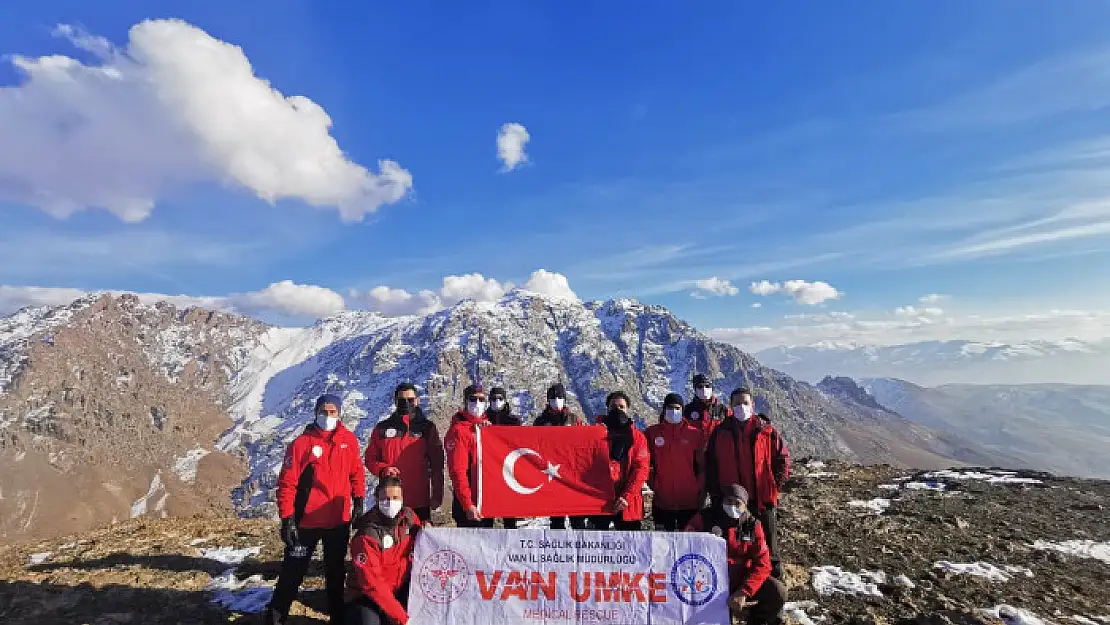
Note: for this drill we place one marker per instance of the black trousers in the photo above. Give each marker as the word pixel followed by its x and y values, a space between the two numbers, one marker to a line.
pixel 671 520
pixel 770 598
pixel 424 514
pixel 767 518
pixel 603 522
pixel 459 515
pixel 363 611
pixel 295 565
pixel 560 522
pixel 510 522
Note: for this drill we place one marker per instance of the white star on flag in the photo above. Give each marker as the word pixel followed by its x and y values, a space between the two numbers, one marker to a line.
pixel 552 471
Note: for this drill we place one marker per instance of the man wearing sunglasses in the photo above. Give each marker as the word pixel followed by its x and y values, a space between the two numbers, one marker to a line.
pixel 462 456
pixel 705 411
pixel 501 413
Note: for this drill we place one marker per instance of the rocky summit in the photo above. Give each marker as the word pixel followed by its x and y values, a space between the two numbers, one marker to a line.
pixel 861 544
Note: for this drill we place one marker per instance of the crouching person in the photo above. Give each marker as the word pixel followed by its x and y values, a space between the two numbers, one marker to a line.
pixel 381 552
pixel 756 597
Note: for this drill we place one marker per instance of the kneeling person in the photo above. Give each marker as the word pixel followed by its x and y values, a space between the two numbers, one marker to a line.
pixel 382 555
pixel 749 561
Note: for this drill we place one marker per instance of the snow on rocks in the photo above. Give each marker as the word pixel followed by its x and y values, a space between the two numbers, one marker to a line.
pixel 796 610
pixel 815 465
pixel 1014 616
pixel 229 555
pixel 185 467
pixel 38 558
pixel 820 474
pixel 875 506
pixel 889 487
pixel 934 486
pixel 995 477
pixel 904 582
pixel 250 595
pixel 983 569
pixel 1078 548
pixel 142 505
pixel 832 580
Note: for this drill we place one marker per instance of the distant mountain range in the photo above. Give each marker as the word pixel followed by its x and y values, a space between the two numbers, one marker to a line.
pixel 941 362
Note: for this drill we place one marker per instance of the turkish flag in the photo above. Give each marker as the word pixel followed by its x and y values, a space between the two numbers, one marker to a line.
pixel 543 471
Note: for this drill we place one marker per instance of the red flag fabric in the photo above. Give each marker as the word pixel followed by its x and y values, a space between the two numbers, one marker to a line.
pixel 543 471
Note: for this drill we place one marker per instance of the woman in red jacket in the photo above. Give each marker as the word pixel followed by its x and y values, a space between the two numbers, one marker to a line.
pixel 629 465
pixel 381 553
pixel 749 561
pixel 677 479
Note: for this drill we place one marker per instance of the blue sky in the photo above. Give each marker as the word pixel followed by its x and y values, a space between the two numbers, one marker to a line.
pixel 890 152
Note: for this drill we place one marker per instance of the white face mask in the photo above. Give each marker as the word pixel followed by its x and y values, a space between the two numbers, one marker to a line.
pixel 390 507
pixel 497 404
pixel 742 411
pixel 705 393
pixel 673 415
pixel 732 511
pixel 326 423
pixel 476 408
pixel 556 403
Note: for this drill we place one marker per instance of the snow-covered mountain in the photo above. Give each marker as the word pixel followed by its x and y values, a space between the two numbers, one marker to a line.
pixel 142 403
pixel 1055 427
pixel 941 362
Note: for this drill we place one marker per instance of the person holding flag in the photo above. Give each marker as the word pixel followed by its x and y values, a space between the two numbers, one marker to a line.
pixel 629 465
pixel 321 479
pixel 381 558
pixel 753 591
pixel 406 444
pixel 501 413
pixel 704 410
pixel 677 467
pixel 556 413
pixel 462 457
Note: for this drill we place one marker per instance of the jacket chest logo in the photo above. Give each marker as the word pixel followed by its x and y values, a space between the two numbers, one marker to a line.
pixel 659 441
pixel 390 433
pixel 387 541
pixel 694 416
pixel 343 446
pixel 416 434
pixel 317 451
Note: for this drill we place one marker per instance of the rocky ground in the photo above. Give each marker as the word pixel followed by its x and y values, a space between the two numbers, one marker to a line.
pixel 157 571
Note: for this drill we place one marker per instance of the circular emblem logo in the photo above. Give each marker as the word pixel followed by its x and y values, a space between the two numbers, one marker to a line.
pixel 387 541
pixel 390 433
pixel 694 416
pixel 658 441
pixel 693 579
pixel 449 445
pixel 317 451
pixel 360 559
pixel 444 576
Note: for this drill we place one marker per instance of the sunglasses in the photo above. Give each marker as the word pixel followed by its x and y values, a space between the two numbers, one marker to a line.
pixel 475 398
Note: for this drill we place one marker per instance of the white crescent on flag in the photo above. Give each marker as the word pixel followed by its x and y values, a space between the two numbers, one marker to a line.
pixel 508 470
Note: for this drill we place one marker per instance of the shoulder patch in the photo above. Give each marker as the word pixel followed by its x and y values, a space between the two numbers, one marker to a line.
pixel 387 541
pixel 360 559
pixel 659 441
pixel 390 433
pixel 317 451
pixel 449 444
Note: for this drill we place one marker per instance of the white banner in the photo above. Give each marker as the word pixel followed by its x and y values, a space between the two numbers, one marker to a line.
pixel 542 577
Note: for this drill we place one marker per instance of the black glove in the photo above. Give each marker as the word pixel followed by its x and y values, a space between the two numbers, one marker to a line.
pixel 359 505
pixel 289 534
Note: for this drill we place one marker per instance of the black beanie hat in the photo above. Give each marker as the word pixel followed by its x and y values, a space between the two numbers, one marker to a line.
pixel 672 399
pixel 497 391
pixel 474 388
pixel 329 399
pixel 557 390
pixel 737 491
pixel 615 395
pixel 700 380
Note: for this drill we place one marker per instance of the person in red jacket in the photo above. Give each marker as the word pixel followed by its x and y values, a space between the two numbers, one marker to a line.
pixel 677 477
pixel 321 477
pixel 749 560
pixel 381 558
pixel 704 410
pixel 501 413
pixel 556 413
pixel 629 465
pixel 407 445
pixel 747 450
pixel 462 457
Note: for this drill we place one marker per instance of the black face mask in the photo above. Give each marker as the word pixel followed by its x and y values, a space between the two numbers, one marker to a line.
pixel 618 416
pixel 406 405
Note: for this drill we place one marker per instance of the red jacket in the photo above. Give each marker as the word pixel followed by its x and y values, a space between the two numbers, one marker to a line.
pixel 320 475
pixel 677 462
pixel 381 554
pixel 414 448
pixel 706 415
pixel 749 559
pixel 462 455
pixel 750 453
pixel 630 474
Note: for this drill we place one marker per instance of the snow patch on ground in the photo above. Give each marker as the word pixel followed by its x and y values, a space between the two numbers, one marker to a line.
pixel 1078 548
pixel 198 541
pixel 822 474
pixel 815 464
pixel 39 558
pixel 250 595
pixel 1084 620
pixel 1014 616
pixel 935 486
pixel 889 487
pixel 832 580
pixel 142 504
pixel 904 582
pixel 229 555
pixel 876 506
pixel 796 610
pixel 185 467
pixel 983 569
pixel 1000 477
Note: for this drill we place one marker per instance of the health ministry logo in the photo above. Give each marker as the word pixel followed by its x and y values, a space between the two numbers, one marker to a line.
pixel 693 579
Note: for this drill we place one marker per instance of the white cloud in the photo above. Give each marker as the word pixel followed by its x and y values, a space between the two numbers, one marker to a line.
pixel 511 140
pixel 399 302
pixel 764 288
pixel 473 286
pixel 13 298
pixel 757 305
pixel 714 286
pixel 932 298
pixel 176 107
pixel 293 300
pixel 913 311
pixel 810 293
pixel 551 284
